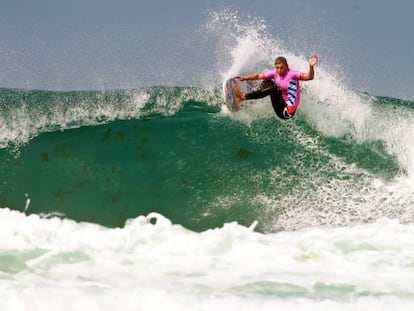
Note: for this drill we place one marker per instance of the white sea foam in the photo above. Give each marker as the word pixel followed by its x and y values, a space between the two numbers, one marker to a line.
pixel 45 263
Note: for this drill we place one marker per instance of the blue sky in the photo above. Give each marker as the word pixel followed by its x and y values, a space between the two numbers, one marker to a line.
pixel 105 44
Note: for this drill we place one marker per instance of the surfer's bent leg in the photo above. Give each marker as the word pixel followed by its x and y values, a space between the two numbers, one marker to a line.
pixel 279 105
pixel 266 88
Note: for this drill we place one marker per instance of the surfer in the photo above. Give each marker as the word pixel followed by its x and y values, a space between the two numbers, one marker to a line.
pixel 281 83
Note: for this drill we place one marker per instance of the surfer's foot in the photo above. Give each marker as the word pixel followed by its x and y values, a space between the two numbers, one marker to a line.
pixel 238 94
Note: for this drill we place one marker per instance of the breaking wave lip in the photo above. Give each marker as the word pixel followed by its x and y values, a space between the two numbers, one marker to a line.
pixel 27 113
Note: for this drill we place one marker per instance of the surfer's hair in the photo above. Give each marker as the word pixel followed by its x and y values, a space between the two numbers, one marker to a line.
pixel 281 60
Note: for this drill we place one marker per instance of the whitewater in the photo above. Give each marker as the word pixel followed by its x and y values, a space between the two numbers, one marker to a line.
pixel 159 198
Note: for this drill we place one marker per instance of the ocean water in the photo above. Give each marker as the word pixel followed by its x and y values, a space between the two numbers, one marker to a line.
pixel 159 198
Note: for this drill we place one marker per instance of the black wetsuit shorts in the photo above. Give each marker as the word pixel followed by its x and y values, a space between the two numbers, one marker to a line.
pixel 269 88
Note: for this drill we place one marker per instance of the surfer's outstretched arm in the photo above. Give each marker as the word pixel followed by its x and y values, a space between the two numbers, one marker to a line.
pixel 311 73
pixel 253 76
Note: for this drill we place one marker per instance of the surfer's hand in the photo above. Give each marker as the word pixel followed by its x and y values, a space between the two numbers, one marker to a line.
pixel 313 60
pixel 238 77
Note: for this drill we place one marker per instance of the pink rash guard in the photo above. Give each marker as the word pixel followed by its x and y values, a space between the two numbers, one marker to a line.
pixel 289 85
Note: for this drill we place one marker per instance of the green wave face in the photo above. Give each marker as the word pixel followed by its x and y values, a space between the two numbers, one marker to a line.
pixel 106 157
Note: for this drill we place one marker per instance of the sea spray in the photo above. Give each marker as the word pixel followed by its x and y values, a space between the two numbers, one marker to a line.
pixel 334 110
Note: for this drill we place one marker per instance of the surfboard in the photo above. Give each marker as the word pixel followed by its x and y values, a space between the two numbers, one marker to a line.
pixel 229 91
